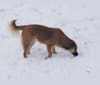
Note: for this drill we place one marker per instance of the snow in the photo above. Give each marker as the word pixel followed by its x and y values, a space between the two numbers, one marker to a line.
pixel 79 19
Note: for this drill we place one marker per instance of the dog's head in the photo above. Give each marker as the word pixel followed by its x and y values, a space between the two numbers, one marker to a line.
pixel 71 47
pixel 73 51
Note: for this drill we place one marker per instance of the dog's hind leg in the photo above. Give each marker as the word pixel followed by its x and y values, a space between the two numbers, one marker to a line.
pixel 26 40
pixel 54 51
pixel 30 45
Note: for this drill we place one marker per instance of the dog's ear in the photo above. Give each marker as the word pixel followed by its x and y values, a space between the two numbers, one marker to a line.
pixel 65 46
pixel 69 45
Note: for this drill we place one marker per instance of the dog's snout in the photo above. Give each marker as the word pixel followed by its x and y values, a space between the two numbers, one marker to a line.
pixel 75 53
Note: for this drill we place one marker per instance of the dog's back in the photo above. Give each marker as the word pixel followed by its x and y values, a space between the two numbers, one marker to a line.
pixel 44 34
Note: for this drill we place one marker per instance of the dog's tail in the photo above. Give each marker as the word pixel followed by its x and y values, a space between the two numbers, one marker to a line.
pixel 14 29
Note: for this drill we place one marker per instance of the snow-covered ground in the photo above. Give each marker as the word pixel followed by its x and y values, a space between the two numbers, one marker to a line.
pixel 79 19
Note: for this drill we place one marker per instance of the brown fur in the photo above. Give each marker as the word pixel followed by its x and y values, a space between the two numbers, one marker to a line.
pixel 51 37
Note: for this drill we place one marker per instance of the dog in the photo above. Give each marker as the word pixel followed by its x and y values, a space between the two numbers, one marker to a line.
pixel 49 36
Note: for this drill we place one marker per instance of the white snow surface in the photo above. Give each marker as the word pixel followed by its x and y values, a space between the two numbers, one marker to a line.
pixel 79 19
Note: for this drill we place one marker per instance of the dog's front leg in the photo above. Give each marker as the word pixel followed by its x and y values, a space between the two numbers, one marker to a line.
pixel 49 48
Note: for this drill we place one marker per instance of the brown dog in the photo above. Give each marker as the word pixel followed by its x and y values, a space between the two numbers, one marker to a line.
pixel 51 37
